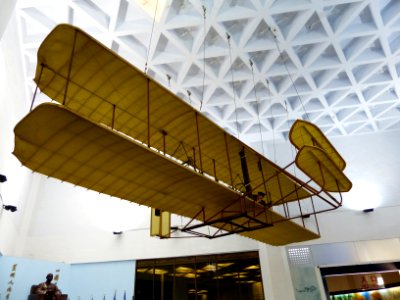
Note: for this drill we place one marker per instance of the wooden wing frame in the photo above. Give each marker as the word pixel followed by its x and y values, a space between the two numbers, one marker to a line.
pixel 117 131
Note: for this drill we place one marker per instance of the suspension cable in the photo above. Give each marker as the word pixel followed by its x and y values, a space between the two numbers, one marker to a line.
pixel 233 83
pixel 204 56
pixel 258 107
pixel 289 75
pixel 292 149
pixel 189 94
pixel 271 108
pixel 151 37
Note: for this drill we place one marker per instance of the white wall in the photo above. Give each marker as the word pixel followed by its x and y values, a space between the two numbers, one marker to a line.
pixel 350 225
pixel 275 273
pixel 7 7
pixel 13 105
pixel 71 224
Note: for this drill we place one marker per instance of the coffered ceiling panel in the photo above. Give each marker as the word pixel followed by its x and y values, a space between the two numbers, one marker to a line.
pixel 252 66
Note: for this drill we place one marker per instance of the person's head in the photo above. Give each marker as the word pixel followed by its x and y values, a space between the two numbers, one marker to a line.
pixel 49 277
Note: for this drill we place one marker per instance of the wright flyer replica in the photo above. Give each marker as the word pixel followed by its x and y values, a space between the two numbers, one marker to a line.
pixel 114 130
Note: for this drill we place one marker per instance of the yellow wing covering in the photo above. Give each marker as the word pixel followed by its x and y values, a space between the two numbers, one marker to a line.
pixel 118 132
pixel 319 166
pixel 57 142
pixel 303 133
pixel 160 223
pixel 83 75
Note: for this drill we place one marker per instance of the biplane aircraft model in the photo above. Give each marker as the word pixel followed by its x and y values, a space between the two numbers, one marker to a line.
pixel 114 130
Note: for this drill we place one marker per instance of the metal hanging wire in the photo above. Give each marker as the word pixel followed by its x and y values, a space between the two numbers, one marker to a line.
pixel 36 89
pixel 294 86
pixel 189 93
pixel 204 55
pixel 282 58
pixel 204 67
pixel 288 73
pixel 258 106
pixel 271 108
pixel 292 149
pixel 151 37
pixel 169 81
pixel 228 37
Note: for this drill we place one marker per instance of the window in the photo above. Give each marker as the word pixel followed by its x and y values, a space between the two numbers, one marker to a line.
pixel 211 277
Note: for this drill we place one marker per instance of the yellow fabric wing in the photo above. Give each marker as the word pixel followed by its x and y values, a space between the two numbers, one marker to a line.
pixel 83 75
pixel 320 167
pixel 303 133
pixel 57 142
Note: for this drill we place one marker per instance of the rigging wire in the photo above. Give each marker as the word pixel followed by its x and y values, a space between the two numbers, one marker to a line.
pixel 233 83
pixel 289 75
pixel 204 55
pixel 296 90
pixel 258 107
pixel 189 94
pixel 204 66
pixel 169 81
pixel 272 118
pixel 151 37
pixel 292 149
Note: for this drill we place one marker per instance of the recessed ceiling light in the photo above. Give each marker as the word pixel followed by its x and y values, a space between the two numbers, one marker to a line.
pixel 252 267
pixel 183 269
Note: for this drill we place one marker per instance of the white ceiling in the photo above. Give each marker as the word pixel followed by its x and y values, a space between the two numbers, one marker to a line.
pixel 333 62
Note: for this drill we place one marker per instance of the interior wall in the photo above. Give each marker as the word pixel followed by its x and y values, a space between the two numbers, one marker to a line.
pixel 356 252
pixel 13 106
pixel 275 273
pixel 350 225
pixel 98 280
pixel 7 7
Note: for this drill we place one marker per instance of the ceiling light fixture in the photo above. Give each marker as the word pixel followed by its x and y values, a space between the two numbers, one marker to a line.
pixel 368 210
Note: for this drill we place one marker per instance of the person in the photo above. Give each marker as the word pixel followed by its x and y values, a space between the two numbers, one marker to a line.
pixel 48 289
